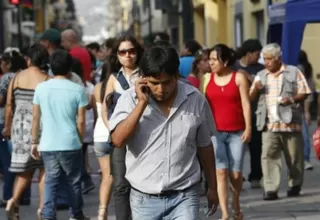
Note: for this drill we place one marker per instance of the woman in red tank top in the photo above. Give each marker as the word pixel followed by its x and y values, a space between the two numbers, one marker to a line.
pixel 228 96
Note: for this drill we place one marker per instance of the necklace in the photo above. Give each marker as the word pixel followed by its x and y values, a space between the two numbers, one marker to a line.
pixel 222 88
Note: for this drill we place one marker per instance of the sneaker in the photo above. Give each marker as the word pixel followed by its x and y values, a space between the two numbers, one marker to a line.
pixel 79 218
pixel 308 165
pixel 88 186
pixel 255 184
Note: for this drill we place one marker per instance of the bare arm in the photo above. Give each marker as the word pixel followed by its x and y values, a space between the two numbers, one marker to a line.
pixel 8 111
pixel 247 75
pixel 81 122
pixel 35 123
pixel 109 90
pixel 207 160
pixel 245 99
pixel 300 97
pixel 125 129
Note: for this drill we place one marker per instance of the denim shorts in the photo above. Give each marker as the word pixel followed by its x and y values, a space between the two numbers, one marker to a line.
pixel 229 150
pixel 102 148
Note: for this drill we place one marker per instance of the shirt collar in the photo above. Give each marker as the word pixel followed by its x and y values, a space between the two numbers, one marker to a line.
pixel 281 70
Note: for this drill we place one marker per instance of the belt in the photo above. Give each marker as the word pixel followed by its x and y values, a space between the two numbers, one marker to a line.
pixel 166 193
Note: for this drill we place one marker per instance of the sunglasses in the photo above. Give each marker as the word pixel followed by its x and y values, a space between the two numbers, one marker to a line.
pixel 131 51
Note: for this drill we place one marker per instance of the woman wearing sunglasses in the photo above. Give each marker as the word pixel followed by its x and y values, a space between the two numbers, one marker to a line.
pixel 128 52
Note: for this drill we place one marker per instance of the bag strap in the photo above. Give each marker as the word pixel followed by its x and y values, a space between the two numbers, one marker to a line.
pixel 122 80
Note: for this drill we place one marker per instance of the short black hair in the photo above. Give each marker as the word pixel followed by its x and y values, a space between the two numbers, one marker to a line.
pixel 249 46
pixel 163 36
pixel 159 59
pixel 162 43
pixel 93 46
pixel 77 67
pixel 225 54
pixel 39 56
pixel 193 46
pixel 16 60
pixel 109 42
pixel 61 63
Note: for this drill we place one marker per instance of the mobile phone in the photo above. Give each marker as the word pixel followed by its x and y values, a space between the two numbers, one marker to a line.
pixel 145 89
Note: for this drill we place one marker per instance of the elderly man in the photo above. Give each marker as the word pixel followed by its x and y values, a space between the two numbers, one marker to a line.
pixel 164 124
pixel 281 90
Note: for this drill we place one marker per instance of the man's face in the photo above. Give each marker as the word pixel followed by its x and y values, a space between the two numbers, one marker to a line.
pixel 163 87
pixel 254 57
pixel 271 62
pixel 65 43
pixel 44 43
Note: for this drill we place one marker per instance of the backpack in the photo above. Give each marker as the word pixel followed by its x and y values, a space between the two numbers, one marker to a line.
pixel 112 99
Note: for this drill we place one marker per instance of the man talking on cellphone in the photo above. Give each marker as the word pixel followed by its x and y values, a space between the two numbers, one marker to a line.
pixel 164 124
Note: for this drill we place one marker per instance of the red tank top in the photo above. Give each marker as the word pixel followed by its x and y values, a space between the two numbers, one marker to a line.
pixel 225 103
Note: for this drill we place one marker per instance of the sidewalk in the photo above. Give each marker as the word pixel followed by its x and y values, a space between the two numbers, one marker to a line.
pixel 306 207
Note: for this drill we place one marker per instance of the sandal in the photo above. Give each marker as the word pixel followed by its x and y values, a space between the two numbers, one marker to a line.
pixel 12 210
pixel 102 213
pixel 238 216
pixel 39 214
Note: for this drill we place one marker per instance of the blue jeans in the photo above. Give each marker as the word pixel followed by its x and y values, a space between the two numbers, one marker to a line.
pixel 229 150
pixel 57 164
pixel 9 177
pixel 180 206
pixel 306 140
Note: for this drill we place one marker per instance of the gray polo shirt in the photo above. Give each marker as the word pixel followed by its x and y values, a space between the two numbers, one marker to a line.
pixel 162 152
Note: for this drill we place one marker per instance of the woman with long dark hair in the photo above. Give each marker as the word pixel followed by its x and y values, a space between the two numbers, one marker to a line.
pixel 228 96
pixel 128 52
pixel 18 125
pixel 11 64
pixel 102 148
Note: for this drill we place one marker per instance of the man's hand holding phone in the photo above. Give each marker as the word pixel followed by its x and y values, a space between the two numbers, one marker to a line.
pixel 142 91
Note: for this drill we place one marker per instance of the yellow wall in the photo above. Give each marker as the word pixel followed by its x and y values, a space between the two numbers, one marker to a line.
pixel 249 22
pixel 311 41
pixel 210 21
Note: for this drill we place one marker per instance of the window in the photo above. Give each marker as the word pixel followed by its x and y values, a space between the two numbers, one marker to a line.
pixel 238 30
pixel 260 28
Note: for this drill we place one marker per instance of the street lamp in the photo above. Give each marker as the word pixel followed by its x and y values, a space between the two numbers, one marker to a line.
pixel 17 4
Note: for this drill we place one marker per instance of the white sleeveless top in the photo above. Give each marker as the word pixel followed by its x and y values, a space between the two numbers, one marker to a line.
pixel 101 132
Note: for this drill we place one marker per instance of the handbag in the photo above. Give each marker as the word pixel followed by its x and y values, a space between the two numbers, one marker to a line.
pixel 316 142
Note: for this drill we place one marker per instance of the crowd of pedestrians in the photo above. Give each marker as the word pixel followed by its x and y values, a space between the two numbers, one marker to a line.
pixel 158 122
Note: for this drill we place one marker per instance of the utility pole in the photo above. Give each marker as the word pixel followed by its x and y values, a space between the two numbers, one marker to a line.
pixel 20 42
pixel 150 21
pixel 2 31
pixel 187 18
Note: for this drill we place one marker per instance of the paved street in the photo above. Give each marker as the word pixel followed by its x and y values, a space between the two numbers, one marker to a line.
pixel 306 207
